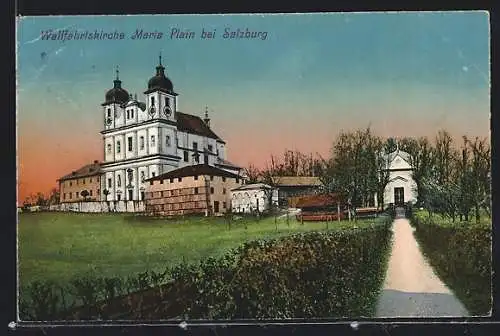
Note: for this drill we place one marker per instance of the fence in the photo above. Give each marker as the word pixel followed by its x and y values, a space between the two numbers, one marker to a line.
pixel 100 206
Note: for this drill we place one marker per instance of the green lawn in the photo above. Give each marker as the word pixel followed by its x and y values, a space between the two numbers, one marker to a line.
pixel 60 246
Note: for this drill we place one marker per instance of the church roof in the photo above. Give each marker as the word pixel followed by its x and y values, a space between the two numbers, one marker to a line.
pixel 194 125
pixel 87 170
pixel 200 169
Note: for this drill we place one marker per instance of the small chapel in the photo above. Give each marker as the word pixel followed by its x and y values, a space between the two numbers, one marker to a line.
pixel 401 188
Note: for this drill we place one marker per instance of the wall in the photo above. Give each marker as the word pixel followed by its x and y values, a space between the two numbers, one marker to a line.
pixel 179 197
pixel 244 201
pixel 77 185
pixel 118 206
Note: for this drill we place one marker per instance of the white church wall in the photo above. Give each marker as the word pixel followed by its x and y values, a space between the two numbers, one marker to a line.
pixel 97 207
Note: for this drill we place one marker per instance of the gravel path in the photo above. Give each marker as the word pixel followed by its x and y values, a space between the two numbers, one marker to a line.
pixel 411 287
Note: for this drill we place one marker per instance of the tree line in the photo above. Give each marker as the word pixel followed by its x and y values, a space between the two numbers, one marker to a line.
pixel 453 179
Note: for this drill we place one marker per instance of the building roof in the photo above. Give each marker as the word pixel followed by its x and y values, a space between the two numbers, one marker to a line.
pixel 319 200
pixel 389 157
pixel 252 186
pixel 225 163
pixel 194 125
pixel 87 170
pixel 296 181
pixel 194 170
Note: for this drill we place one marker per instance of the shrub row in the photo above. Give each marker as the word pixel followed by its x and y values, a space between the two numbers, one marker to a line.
pixel 314 274
pixel 461 255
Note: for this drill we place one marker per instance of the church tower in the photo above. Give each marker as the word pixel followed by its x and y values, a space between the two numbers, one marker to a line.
pixel 160 95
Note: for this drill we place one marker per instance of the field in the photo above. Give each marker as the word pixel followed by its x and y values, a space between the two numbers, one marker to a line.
pixel 60 246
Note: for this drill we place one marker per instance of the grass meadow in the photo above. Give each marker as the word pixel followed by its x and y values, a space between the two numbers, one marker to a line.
pixel 61 246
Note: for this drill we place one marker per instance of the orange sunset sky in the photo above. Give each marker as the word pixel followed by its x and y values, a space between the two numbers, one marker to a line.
pixel 402 74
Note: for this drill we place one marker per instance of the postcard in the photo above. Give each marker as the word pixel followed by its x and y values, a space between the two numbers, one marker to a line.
pixel 248 167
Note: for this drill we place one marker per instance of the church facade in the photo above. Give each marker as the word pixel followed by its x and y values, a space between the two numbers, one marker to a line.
pixel 144 139
pixel 401 187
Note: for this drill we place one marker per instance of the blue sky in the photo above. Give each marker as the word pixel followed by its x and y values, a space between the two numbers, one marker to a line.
pixel 403 73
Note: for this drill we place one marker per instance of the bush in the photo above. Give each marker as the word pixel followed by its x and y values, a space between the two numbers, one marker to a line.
pixel 315 274
pixel 461 255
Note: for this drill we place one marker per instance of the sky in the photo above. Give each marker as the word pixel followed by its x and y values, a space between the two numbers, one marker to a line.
pixel 314 75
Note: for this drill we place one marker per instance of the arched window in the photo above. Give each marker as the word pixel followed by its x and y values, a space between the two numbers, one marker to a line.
pixel 167 140
pixel 109 148
pixel 118 146
pixel 141 142
pixel 119 181
pixel 153 141
pixel 109 113
pixel 152 101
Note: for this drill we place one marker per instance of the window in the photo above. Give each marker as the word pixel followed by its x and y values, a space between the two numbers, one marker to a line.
pixel 211 178
pixel 161 181
pixel 70 195
pixel 167 101
pixel 152 141
pixel 210 148
pixel 83 181
pixel 98 191
pixel 195 146
pixel 90 192
pixel 179 179
pixel 152 101
pixel 171 180
pixel 64 196
pixel 132 114
pixel 129 140
pixel 109 183
pixel 224 191
pixel 109 148
pixel 223 179
pixel 118 146
pixel 196 177
pixel 97 179
pixel 161 193
pixel 77 182
pixel 119 181
pixel 211 190
pixel 109 113
pixel 143 176
pixel 186 156
pixel 70 183
pixel 128 114
pixel 224 205
pixel 237 180
pixel 167 140
pixel 196 190
pixel 151 182
pixel 153 174
pixel 90 181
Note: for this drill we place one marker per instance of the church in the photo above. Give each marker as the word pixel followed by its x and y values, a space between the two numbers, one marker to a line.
pixel 401 187
pixel 144 139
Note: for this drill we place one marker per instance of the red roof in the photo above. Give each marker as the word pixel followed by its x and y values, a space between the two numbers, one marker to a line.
pixel 319 200
pixel 194 125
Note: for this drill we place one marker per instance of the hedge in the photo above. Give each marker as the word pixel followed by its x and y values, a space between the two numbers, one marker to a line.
pixel 314 274
pixel 461 255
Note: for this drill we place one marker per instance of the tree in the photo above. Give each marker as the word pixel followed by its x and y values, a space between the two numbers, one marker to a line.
pixel 54 196
pixel 85 194
pixel 40 199
pixel 253 174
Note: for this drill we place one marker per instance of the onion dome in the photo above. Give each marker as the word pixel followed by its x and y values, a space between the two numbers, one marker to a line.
pixel 117 94
pixel 160 81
